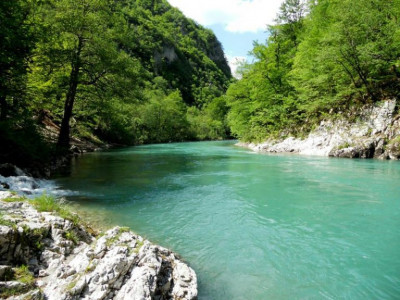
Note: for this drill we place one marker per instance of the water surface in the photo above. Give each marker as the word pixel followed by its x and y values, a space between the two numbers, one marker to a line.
pixel 254 226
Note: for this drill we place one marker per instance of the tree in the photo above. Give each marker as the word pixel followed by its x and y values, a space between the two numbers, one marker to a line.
pixel 80 52
pixel 291 14
pixel 320 58
pixel 349 54
pixel 262 102
pixel 16 42
pixel 164 117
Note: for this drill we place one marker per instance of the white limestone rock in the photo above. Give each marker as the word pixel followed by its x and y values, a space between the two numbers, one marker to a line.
pixel 369 137
pixel 115 265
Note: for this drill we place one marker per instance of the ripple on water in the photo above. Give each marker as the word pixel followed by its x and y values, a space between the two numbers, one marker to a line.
pixel 255 226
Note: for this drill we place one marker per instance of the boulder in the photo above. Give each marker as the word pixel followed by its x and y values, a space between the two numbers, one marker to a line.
pixel 365 138
pixel 70 263
pixel 8 170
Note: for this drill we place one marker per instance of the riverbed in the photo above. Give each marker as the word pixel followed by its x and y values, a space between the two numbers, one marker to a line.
pixel 253 226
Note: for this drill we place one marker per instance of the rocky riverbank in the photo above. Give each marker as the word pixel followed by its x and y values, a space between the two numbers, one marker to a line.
pixel 46 256
pixel 370 132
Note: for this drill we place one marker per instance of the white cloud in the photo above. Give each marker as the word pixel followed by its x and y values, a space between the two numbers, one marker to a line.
pixel 234 63
pixel 236 15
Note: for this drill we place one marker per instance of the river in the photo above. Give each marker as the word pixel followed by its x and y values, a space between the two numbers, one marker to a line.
pixel 254 226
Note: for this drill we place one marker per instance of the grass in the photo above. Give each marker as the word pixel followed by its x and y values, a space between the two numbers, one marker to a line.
pixel 39 246
pixel 46 203
pixel 14 199
pixel 139 245
pixel 395 140
pixel 91 266
pixel 4 294
pixel 71 235
pixel 115 238
pixel 124 229
pixel 70 286
pixel 5 222
pixel 22 275
pixel 344 146
pixel 394 145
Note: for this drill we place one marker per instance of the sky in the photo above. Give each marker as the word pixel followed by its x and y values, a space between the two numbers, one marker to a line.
pixel 236 23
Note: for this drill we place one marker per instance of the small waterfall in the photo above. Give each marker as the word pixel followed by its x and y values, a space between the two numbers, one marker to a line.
pixel 31 187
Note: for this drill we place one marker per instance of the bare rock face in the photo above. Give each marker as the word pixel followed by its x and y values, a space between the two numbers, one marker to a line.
pixel 375 134
pixel 69 263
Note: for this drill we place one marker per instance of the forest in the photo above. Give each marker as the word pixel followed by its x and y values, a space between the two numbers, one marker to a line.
pixel 322 58
pixel 131 72
pixel 123 72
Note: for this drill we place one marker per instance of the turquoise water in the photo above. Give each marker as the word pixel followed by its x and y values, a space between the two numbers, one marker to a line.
pixel 254 226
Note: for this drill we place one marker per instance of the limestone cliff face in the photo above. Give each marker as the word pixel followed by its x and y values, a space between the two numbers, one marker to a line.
pixel 70 263
pixel 374 134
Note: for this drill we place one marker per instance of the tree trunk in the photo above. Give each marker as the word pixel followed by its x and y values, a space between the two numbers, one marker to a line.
pixel 3 105
pixel 63 138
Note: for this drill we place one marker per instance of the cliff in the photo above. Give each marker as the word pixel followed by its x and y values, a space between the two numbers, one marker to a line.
pixel 168 44
pixel 45 256
pixel 372 131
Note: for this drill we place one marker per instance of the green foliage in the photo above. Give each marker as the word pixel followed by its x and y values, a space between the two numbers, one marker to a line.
pixel 139 245
pixel 39 246
pixel 395 141
pixel 46 203
pixel 16 42
pixel 164 117
pixel 125 71
pixel 349 54
pixel 116 237
pixel 14 199
pixel 72 284
pixel 6 222
pixel 22 274
pixel 20 140
pixel 344 146
pixel 91 266
pixel 71 235
pixel 210 122
pixel 339 54
pixel 105 57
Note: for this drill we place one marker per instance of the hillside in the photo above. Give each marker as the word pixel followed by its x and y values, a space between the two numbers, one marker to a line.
pixel 125 72
pixel 324 60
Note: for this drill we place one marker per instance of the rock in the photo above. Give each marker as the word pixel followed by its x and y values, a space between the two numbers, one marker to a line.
pixel 5 272
pixel 379 148
pixel 184 282
pixel 393 149
pixel 366 138
pixel 115 265
pixel 31 295
pixel 362 150
pixel 75 150
pixel 8 170
pixel 12 285
pixel 5 185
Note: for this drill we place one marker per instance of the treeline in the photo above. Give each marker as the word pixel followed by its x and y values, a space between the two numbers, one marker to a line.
pixel 124 71
pixel 322 57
